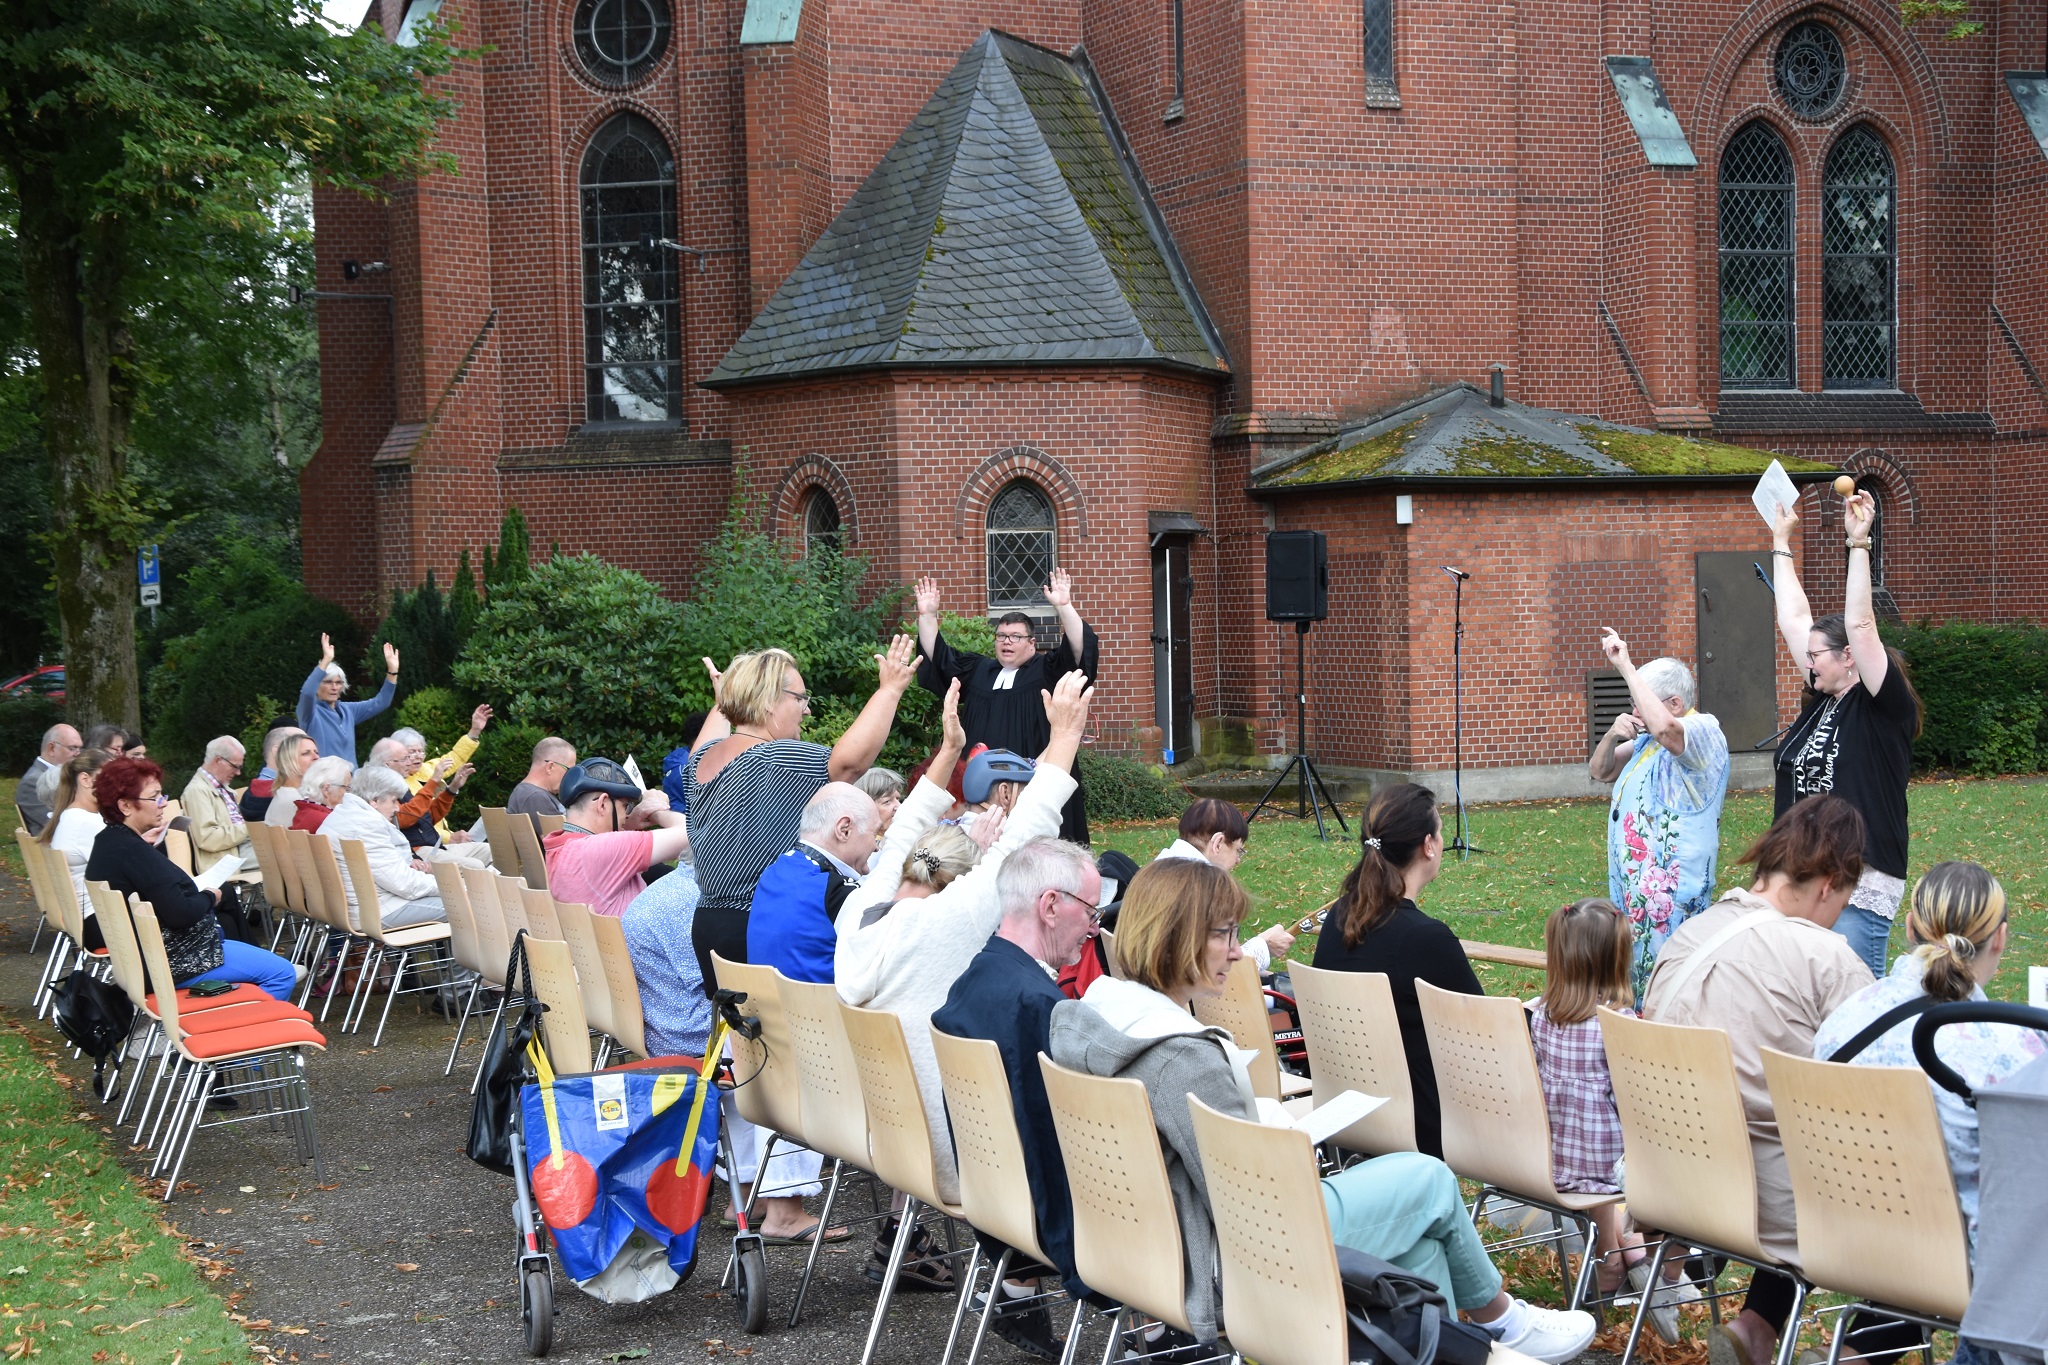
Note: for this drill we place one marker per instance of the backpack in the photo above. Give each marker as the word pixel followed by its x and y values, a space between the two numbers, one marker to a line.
pixel 96 1016
pixel 1399 1318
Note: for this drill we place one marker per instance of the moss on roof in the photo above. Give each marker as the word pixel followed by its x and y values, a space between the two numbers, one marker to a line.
pixel 1359 460
pixel 1661 453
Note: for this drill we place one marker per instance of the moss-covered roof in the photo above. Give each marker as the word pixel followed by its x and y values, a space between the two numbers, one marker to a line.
pixel 1455 433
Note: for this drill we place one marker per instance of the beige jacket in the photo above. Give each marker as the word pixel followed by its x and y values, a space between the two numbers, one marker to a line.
pixel 1770 986
pixel 216 832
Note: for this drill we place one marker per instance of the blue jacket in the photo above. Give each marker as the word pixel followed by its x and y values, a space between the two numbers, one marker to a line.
pixel 1006 996
pixel 790 926
pixel 333 724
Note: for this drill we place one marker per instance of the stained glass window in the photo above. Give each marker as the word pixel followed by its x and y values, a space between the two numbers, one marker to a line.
pixel 1021 534
pixel 1812 73
pixel 1756 260
pixel 620 41
pixel 1859 198
pixel 821 524
pixel 632 309
pixel 1379 51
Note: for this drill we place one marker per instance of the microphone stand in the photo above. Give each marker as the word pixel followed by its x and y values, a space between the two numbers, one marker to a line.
pixel 1463 845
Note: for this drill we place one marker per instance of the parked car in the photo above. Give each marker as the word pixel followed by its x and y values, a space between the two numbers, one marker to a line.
pixel 47 681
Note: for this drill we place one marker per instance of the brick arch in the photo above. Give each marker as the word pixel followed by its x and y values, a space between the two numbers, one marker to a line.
pixel 562 37
pixel 1070 511
pixel 785 511
pixel 1874 465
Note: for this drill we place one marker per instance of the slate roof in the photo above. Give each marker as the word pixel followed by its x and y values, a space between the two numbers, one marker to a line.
pixel 1007 225
pixel 1454 435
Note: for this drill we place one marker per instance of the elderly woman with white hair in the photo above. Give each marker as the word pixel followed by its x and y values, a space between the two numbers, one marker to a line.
pixel 330 720
pixel 405 889
pixel 1668 762
pixel 323 787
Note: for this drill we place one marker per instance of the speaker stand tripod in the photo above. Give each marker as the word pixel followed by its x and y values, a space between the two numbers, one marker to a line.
pixel 1310 781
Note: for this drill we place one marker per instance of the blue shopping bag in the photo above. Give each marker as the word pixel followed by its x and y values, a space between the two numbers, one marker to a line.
pixel 612 1151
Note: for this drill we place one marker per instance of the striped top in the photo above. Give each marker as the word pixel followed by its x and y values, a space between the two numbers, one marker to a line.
pixel 746 816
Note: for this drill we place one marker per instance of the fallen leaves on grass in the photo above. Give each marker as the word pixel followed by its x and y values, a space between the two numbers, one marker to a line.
pixel 407 1266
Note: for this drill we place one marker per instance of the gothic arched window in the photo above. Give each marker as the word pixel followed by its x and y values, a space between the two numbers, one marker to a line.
pixel 821 523
pixel 1859 202
pixel 1756 260
pixel 1021 532
pixel 632 305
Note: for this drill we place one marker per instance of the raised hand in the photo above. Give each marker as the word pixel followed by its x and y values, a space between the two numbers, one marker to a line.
pixel 1784 525
pixel 1066 706
pixel 1614 647
pixel 1278 940
pixel 445 767
pixel 927 596
pixel 717 680
pixel 390 656
pixel 954 734
pixel 1060 591
pixel 462 775
pixel 326 650
pixel 478 719
pixel 987 827
pixel 899 666
pixel 1859 514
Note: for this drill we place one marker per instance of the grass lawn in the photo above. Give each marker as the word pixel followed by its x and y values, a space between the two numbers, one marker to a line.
pixel 1541 855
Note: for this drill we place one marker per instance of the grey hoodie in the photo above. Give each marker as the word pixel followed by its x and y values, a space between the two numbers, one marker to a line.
pixel 1171 1067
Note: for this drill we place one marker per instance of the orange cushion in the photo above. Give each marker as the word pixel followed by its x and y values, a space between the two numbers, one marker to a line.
pixel 189 1003
pixel 237 1042
pixel 241 1016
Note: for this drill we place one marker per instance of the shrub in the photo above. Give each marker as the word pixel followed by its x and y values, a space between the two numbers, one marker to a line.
pixel 22 723
pixel 1982 688
pixel 502 757
pixel 429 629
pixel 438 713
pixel 587 651
pixel 255 725
pixel 1121 788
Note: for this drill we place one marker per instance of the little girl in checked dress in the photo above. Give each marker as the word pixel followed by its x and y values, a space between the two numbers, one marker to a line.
pixel 1589 950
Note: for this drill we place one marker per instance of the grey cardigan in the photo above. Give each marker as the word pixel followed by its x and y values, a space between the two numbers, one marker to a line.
pixel 1171 1068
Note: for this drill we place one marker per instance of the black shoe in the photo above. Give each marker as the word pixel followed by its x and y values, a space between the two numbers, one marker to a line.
pixel 933 1277
pixel 1028 1329
pixel 223 1102
pixel 1174 1347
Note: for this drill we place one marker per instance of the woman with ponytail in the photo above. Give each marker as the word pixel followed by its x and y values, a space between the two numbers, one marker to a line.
pixel 1374 925
pixel 1956 932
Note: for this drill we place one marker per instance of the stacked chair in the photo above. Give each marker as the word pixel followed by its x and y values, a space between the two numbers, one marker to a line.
pixel 399 945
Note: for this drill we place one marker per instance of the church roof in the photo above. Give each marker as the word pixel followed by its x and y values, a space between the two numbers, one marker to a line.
pixel 1007 225
pixel 1454 435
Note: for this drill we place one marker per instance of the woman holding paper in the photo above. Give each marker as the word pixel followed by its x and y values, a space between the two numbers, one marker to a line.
pixel 1854 735
pixel 1177 937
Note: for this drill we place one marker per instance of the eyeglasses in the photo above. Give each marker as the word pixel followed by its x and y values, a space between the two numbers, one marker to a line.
pixel 1224 933
pixel 1013 637
pixel 159 798
pixel 1094 912
pixel 803 697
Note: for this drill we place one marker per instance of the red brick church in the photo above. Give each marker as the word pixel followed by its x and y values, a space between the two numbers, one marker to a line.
pixel 1529 290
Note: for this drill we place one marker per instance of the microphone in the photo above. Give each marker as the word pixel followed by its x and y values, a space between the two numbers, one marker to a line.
pixel 1459 574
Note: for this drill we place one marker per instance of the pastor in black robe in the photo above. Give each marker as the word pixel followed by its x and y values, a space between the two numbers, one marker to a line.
pixel 1013 718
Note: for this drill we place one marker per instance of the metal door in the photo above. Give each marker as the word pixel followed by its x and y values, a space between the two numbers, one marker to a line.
pixel 1173 661
pixel 1738 646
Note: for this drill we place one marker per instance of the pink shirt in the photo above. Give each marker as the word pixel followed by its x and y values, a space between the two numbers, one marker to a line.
pixel 598 870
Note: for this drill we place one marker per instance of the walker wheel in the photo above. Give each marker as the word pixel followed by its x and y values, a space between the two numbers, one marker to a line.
pixel 750 1279
pixel 537 1308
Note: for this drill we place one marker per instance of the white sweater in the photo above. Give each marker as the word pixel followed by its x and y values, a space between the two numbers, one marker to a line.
pixel 1256 948
pixel 907 961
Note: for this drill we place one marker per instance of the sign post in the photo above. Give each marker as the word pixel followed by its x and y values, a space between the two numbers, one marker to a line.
pixel 149 574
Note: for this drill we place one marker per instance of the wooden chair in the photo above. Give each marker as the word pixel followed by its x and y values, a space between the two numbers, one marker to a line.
pixel 177 843
pixel 270 878
pixel 512 904
pixel 550 824
pixel 1496 1125
pixel 1685 1146
pixel 313 887
pixel 554 985
pixel 1126 1234
pixel 1282 1295
pixel 629 1023
pixel 995 1188
pixel 1242 1010
pixel 1876 1201
pixel 530 863
pixel 498 833
pixel 63 946
pixel 538 906
pixel 310 930
pixel 464 945
pixel 831 1103
pixel 263 1061
pixel 574 923
pixel 900 1142
pixel 326 868
pixel 1354 1043
pixel 426 939
pixel 495 934
pixel 21 835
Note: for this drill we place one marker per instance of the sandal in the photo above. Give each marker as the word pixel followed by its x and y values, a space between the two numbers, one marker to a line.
pixel 924 1271
pixel 803 1239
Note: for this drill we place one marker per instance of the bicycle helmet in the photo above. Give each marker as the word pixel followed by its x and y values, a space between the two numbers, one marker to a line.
pixel 984 770
pixel 597 775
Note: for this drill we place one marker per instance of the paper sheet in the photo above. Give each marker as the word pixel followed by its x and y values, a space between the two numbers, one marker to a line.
pixel 1324 1122
pixel 1774 488
pixel 633 771
pixel 2037 987
pixel 218 874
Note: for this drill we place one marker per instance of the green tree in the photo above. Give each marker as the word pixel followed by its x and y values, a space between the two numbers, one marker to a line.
pixel 146 150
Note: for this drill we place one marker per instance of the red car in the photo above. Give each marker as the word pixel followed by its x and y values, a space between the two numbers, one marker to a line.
pixel 47 681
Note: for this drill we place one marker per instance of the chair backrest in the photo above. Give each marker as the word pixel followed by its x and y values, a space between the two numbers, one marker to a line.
pixel 288 872
pixel 1684 1133
pixel 995 1189
pixel 299 844
pixel 57 884
pixel 493 935
pixel 1282 1295
pixel 178 843
pixel 554 984
pixel 574 923
pixel 1110 963
pixel 512 902
pixel 550 824
pixel 462 935
pixel 1878 1217
pixel 1126 1233
pixel 498 832
pixel 768 1090
pixel 1496 1126
pixel 124 954
pixel 835 1114
pixel 327 867
pixel 369 910
pixel 149 938
pixel 531 864
pixel 1242 1009
pixel 260 839
pixel 51 905
pixel 629 1023
pixel 1354 1043
pixel 539 907
pixel 899 1130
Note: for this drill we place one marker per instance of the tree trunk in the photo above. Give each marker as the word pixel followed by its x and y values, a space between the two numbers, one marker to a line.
pixel 72 275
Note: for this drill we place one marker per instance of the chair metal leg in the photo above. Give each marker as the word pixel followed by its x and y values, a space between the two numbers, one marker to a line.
pixel 207 1076
pixel 462 1024
pixel 1576 1286
pixel 397 980
pixel 1788 1345
pixel 963 1298
pixel 334 982
pixel 163 1065
pixel 1635 1327
pixel 803 1285
pixel 988 1306
pixel 1072 1350
pixel 1116 1334
pixel 42 923
pixel 366 985
pixel 171 1118
pixel 906 1228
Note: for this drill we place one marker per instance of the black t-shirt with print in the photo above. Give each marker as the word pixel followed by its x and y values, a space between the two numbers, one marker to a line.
pixel 1859 747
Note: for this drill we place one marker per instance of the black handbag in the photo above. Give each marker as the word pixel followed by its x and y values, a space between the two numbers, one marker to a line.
pixel 1399 1318
pixel 497 1094
pixel 96 1016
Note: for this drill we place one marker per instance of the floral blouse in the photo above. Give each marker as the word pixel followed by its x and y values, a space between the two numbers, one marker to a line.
pixel 1664 835
pixel 1982 1054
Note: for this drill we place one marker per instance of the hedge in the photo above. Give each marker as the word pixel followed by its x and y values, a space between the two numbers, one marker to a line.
pixel 22 723
pixel 1984 690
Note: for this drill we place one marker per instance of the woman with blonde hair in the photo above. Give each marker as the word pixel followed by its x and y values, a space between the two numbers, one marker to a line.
pixel 1177 937
pixel 75 824
pixel 295 754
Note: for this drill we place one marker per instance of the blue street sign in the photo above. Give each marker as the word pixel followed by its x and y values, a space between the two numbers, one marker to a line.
pixel 148 568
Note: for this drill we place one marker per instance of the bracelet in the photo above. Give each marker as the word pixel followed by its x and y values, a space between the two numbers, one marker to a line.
pixel 1857 544
pixel 1787 553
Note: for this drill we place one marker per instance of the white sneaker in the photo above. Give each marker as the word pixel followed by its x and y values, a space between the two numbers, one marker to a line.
pixel 1663 1314
pixel 1552 1335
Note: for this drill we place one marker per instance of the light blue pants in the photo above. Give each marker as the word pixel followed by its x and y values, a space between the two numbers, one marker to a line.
pixel 1870 935
pixel 1406 1208
pixel 258 966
